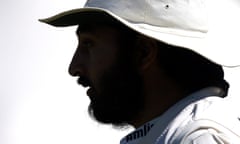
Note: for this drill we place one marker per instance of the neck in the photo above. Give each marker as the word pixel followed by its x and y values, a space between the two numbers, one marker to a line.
pixel 160 94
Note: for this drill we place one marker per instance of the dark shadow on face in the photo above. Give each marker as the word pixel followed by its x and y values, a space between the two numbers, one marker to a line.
pixel 121 96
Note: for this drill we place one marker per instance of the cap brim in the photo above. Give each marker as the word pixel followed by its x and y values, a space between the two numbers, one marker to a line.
pixel 79 16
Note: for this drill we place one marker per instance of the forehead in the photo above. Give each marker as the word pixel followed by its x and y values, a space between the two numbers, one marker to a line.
pixel 92 29
pixel 123 34
pixel 86 29
pixel 100 26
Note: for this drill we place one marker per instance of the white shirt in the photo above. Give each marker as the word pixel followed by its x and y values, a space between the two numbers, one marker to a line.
pixel 201 118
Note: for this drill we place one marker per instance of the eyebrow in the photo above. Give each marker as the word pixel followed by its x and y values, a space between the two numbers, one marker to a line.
pixel 84 29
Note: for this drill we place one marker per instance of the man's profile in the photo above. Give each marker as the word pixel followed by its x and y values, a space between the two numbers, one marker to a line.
pixel 148 64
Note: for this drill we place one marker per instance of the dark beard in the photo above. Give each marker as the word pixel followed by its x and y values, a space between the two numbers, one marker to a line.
pixel 121 96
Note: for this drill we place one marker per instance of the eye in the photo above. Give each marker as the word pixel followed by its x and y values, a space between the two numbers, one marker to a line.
pixel 87 43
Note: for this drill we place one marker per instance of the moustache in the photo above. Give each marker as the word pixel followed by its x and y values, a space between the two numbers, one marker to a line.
pixel 84 81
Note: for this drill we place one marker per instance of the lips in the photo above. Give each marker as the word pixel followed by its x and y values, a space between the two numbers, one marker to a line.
pixel 83 81
pixel 90 91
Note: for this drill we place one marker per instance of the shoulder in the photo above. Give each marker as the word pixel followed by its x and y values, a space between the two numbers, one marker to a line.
pixel 205 132
pixel 211 121
pixel 211 118
pixel 205 136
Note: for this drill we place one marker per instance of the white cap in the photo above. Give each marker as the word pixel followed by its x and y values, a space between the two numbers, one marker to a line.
pixel 208 27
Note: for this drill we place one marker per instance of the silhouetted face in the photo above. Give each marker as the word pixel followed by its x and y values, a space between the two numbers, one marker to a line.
pixel 104 62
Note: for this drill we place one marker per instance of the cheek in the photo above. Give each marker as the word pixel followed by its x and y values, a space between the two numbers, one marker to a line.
pixel 100 61
pixel 98 65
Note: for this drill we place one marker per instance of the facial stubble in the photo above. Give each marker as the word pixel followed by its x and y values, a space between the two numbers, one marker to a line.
pixel 121 97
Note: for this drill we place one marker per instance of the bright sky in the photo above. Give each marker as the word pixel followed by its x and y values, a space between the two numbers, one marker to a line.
pixel 39 102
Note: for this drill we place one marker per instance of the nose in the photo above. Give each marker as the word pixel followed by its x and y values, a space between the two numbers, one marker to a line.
pixel 76 66
pixel 74 70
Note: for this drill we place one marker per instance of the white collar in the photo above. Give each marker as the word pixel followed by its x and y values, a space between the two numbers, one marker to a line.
pixel 148 129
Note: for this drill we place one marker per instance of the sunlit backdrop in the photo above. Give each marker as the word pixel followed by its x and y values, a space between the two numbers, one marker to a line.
pixel 39 102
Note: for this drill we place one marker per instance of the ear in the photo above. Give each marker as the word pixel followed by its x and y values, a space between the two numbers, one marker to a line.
pixel 147 50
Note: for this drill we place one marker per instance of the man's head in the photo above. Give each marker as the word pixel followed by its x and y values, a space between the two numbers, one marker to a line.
pixel 148 55
pixel 113 61
pixel 105 62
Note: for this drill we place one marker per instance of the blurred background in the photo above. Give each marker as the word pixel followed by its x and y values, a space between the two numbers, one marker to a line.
pixel 39 102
